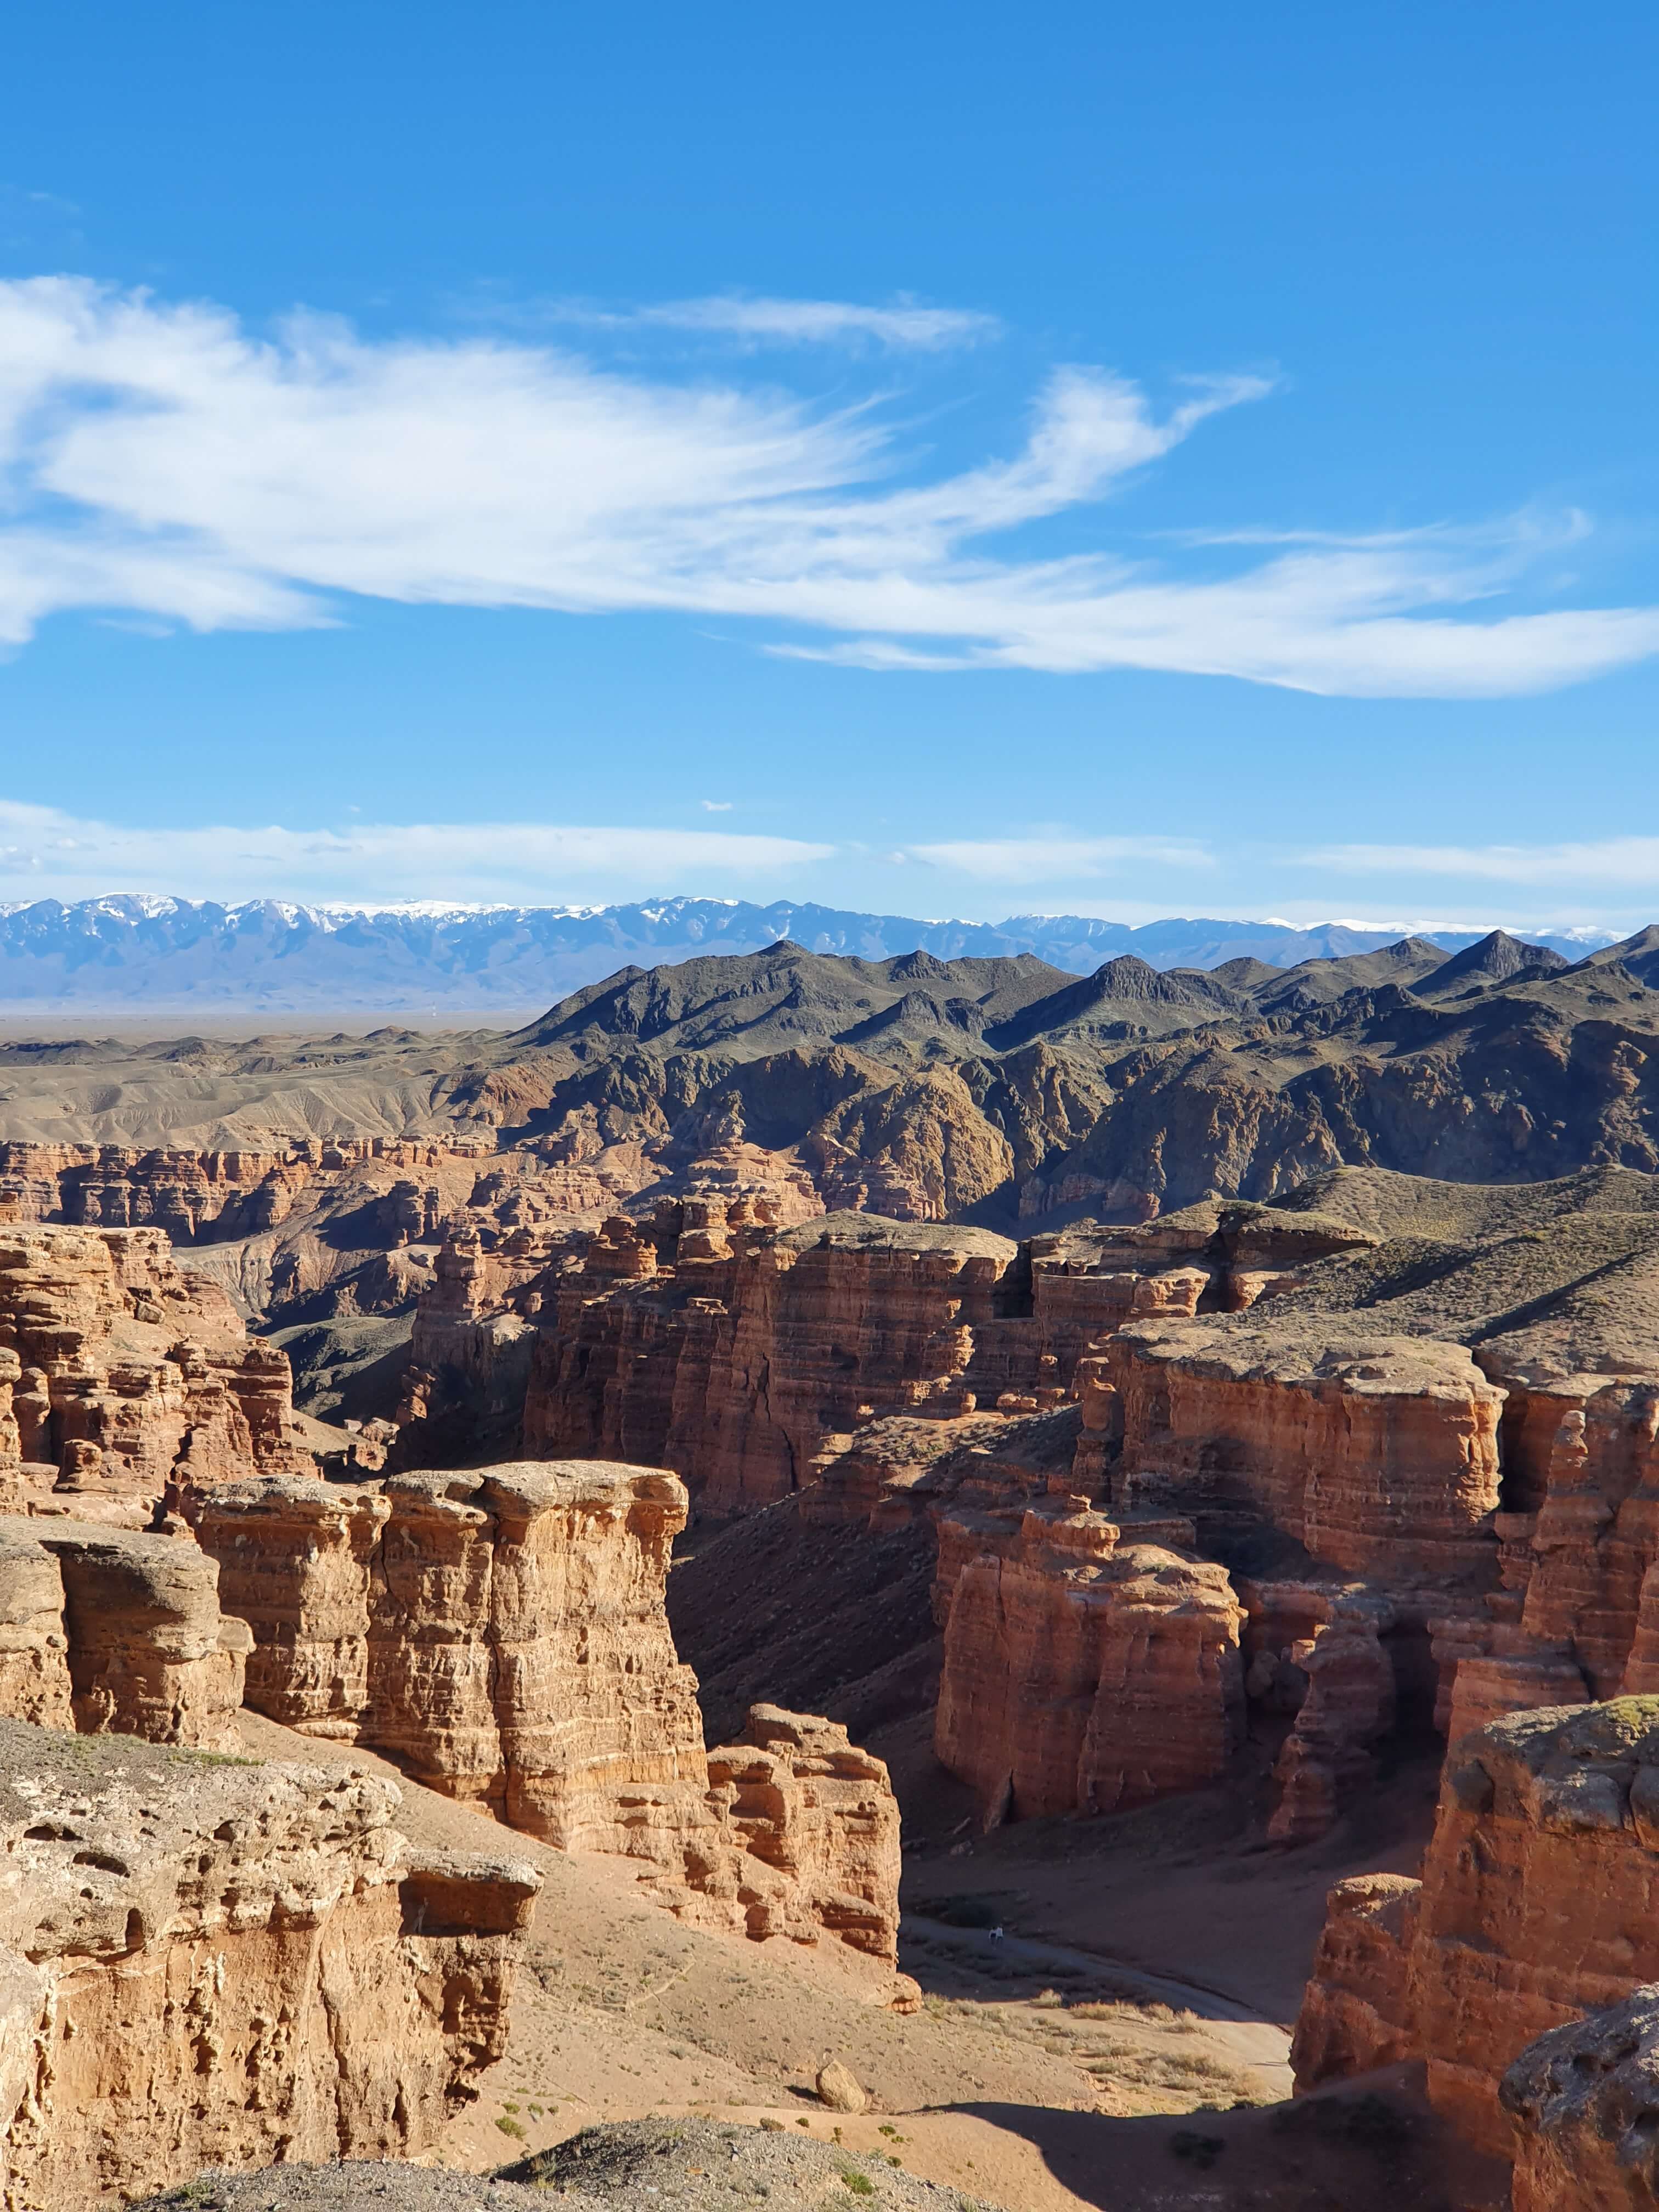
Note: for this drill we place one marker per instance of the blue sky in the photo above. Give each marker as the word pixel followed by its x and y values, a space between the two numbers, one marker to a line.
pixel 939 460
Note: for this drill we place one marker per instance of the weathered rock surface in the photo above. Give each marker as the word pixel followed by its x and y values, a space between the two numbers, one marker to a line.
pixel 501 1634
pixel 104 1631
pixel 805 1841
pixel 736 1370
pixel 1081 1676
pixel 119 1374
pixel 223 1963
pixel 1347 1708
pixel 1582 2099
pixel 1378 1455
pixel 1537 1902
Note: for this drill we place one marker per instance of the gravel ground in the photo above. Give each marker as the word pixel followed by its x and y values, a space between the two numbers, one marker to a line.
pixel 638 2165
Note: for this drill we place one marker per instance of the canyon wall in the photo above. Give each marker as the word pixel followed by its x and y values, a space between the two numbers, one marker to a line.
pixel 499 1631
pixel 119 1374
pixel 1081 1676
pixel 1538 1901
pixel 214 1195
pixel 502 1633
pixel 213 1963
pixel 1378 1454
pixel 738 1366
pixel 744 1355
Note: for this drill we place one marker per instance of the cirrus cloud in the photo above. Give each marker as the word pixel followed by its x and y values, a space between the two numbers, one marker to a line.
pixel 157 462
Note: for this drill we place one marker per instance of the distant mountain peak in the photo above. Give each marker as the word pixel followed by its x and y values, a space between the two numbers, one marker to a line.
pixel 143 957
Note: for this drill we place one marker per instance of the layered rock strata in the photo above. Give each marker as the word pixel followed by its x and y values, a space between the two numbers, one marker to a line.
pixel 118 1374
pixel 743 1355
pixel 1379 1454
pixel 499 1631
pixel 805 1841
pixel 1536 1904
pixel 207 1964
pixel 196 1194
pixel 106 1632
pixel 502 1633
pixel 736 1369
pixel 1079 1675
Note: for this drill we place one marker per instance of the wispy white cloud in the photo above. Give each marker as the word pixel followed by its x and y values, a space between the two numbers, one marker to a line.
pixel 1590 863
pixel 45 853
pixel 905 326
pixel 156 462
pixel 1058 858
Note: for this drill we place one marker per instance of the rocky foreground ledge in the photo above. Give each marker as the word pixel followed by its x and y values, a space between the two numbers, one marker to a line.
pixel 638 2165
pixel 205 1961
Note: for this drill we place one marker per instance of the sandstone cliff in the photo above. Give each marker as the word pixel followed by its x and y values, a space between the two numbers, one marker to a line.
pixel 499 1631
pixel 501 1634
pixel 1379 1454
pixel 119 1374
pixel 208 1963
pixel 736 1368
pixel 1535 1904
pixel 1083 1677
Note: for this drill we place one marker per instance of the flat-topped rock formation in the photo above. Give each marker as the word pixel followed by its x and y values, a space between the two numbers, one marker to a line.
pixel 213 1962
pixel 1378 1454
pixel 501 1634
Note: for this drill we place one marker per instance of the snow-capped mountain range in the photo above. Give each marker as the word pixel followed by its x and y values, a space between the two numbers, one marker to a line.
pixel 152 958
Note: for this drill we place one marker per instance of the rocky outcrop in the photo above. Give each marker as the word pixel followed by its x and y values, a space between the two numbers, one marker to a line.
pixel 1083 1676
pixel 736 1369
pixel 119 1374
pixel 804 1842
pixel 1379 1454
pixel 1535 1905
pixel 1358 2010
pixel 103 1630
pixel 501 1633
pixel 208 1963
pixel 1583 2099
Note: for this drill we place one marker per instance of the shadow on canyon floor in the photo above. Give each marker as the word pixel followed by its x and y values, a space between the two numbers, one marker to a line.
pixel 1374 2147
